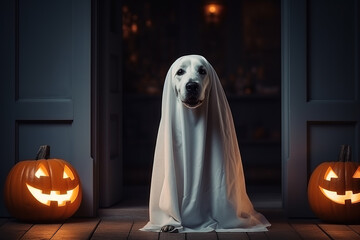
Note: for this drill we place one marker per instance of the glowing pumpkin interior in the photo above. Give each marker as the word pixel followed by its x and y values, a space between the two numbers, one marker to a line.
pixel 54 196
pixel 340 198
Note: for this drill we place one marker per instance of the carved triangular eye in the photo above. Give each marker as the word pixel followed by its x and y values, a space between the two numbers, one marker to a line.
pixel 68 173
pixel 357 173
pixel 330 174
pixel 41 172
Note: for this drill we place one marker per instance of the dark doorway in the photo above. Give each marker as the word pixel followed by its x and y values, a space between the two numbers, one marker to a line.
pixel 241 39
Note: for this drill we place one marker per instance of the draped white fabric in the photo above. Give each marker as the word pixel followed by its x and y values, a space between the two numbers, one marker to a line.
pixel 197 180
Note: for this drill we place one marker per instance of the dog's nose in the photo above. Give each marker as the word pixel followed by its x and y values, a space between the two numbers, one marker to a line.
pixel 192 87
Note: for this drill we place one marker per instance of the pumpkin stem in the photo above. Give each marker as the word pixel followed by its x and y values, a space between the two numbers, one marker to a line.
pixel 345 153
pixel 348 153
pixel 43 153
pixel 341 154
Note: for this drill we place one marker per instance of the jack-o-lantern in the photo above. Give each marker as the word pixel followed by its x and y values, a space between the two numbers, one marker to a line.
pixel 334 190
pixel 43 189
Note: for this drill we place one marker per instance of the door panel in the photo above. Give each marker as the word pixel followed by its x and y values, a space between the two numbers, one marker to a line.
pixel 319 150
pixel 45 86
pixel 331 50
pixel 320 72
pixel 45 49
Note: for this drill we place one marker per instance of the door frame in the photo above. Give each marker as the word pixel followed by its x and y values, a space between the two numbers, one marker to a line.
pixel 95 100
pixel 96 105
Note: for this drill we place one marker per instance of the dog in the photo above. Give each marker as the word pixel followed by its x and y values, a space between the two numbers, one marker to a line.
pixel 190 80
pixel 197 181
pixel 190 83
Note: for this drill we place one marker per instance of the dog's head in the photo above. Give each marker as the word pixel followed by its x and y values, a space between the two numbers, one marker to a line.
pixel 190 78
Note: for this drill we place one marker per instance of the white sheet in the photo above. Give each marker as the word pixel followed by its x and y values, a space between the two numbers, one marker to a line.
pixel 197 180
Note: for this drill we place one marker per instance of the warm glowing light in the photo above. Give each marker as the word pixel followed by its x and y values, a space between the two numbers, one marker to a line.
pixel 330 174
pixel 54 196
pixel 213 9
pixel 68 173
pixel 148 23
pixel 213 12
pixel 340 199
pixel 134 28
pixel 357 173
pixel 41 172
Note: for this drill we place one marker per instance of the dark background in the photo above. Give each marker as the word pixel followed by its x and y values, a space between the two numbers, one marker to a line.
pixel 241 41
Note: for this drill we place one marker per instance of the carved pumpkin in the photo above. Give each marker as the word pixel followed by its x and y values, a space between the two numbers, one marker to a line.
pixel 42 190
pixel 334 190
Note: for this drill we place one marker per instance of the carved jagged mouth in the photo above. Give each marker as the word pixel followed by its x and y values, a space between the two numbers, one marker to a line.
pixel 348 196
pixel 54 196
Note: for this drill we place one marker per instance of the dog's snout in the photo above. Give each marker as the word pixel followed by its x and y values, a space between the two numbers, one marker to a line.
pixel 192 87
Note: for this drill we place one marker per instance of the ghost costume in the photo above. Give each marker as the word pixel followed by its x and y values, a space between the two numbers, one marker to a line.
pixel 197 181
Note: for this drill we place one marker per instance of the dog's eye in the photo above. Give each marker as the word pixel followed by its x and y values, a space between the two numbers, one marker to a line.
pixel 202 71
pixel 180 72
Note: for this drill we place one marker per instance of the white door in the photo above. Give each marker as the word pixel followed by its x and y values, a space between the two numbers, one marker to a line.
pixel 320 61
pixel 45 90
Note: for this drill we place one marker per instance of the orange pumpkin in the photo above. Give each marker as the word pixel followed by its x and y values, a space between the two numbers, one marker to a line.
pixel 42 190
pixel 334 190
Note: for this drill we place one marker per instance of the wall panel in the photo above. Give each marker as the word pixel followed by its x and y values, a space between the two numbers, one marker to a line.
pixel 32 134
pixel 332 45
pixel 325 139
pixel 45 49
